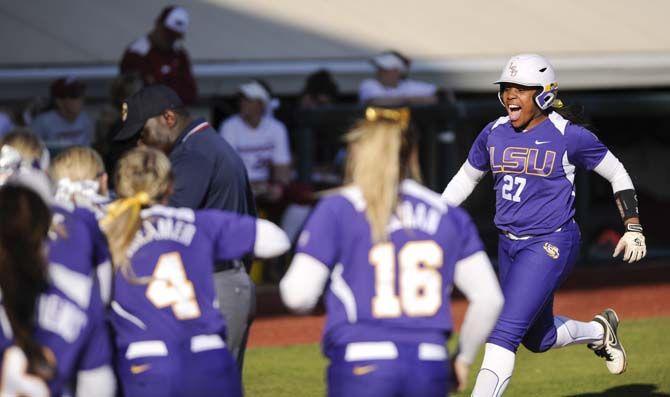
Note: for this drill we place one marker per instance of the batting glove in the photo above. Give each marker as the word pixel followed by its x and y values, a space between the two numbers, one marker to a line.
pixel 632 244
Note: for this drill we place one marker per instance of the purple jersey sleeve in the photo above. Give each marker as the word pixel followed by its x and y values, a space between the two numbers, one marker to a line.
pixel 470 242
pixel 100 248
pixel 584 148
pixel 98 348
pixel 320 236
pixel 234 235
pixel 479 154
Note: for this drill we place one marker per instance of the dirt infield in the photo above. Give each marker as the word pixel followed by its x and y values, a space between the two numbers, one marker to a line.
pixel 634 291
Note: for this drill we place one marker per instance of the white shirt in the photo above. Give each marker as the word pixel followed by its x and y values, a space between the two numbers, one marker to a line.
pixel 260 148
pixel 373 89
pixel 59 133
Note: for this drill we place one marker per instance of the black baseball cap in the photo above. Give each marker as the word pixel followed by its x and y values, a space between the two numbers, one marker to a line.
pixel 148 102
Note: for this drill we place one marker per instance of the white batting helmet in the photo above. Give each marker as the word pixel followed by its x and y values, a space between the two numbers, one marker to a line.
pixel 531 70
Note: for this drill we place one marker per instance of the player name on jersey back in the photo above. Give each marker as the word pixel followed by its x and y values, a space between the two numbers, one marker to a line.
pixel 415 216
pixel 58 315
pixel 162 229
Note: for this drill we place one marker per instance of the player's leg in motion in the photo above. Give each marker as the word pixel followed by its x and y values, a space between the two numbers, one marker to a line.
pixel 551 332
pixel 529 271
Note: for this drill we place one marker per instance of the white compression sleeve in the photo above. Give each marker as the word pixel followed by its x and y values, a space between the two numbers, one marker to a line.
pixel 96 382
pixel 462 184
pixel 611 169
pixel 496 371
pixel 303 283
pixel 474 276
pixel 270 240
pixel 571 332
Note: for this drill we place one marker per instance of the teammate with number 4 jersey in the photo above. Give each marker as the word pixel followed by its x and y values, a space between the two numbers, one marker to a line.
pixel 532 154
pixel 392 251
pixel 170 336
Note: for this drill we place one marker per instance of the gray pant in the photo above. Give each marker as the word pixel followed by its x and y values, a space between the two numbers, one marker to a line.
pixel 237 301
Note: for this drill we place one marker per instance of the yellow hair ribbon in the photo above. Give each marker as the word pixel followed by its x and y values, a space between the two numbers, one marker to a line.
pixel 400 115
pixel 118 207
pixel 557 104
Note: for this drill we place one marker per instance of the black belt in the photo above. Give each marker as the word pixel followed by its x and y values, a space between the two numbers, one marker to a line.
pixel 227 265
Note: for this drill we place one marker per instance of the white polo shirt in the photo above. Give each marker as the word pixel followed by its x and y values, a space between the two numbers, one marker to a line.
pixel 261 147
pixel 373 89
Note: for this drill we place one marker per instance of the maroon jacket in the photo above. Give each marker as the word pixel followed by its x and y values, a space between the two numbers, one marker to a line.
pixel 172 68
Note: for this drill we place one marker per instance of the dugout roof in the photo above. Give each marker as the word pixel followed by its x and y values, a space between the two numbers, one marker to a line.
pixel 462 44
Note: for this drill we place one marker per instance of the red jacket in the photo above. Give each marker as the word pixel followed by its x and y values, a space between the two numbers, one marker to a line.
pixel 172 68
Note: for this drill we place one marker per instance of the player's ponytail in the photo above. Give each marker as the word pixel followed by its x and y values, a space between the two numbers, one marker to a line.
pixel 23 269
pixel 376 163
pixel 142 178
pixel 573 113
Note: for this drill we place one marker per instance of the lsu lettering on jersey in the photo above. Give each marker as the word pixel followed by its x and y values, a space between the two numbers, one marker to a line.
pixel 534 171
pixel 397 290
pixel 169 294
pixel 70 315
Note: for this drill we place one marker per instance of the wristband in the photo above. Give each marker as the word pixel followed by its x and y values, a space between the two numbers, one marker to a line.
pixel 626 201
pixel 634 227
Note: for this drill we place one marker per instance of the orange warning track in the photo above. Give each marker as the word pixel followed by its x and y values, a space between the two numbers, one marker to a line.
pixel 631 301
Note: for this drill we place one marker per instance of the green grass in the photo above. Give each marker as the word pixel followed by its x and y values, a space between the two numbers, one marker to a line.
pixel 573 371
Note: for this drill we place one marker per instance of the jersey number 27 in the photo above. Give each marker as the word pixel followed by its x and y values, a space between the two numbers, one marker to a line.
pixel 419 279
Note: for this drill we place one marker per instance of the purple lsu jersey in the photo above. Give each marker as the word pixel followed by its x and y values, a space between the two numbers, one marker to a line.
pixel 76 240
pixel 172 260
pixel 70 315
pixel 534 171
pixel 397 290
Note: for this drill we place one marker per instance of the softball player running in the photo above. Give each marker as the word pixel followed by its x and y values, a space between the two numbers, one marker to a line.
pixel 532 154
pixel 392 251
pixel 169 334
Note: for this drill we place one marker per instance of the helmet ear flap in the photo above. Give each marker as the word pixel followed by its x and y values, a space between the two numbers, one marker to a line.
pixel 545 99
pixel 500 96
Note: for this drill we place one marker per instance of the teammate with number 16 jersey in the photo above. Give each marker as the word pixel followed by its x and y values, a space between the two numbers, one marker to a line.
pixel 393 251
pixel 170 337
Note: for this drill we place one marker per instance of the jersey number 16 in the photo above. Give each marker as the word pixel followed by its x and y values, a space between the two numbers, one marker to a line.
pixel 419 279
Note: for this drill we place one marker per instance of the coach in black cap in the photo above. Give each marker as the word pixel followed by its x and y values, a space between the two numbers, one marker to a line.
pixel 208 173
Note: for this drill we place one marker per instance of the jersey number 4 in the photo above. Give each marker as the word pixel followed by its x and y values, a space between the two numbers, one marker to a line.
pixel 170 287
pixel 419 279
pixel 512 187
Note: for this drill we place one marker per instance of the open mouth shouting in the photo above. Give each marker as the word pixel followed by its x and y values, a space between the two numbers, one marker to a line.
pixel 514 112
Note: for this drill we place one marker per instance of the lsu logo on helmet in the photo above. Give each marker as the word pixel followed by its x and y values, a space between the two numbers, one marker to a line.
pixel 551 250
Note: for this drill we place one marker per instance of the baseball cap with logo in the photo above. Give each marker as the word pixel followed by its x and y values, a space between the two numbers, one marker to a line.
pixel 174 18
pixel 148 102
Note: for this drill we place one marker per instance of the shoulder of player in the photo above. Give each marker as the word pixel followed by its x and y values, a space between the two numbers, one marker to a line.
pixel 74 218
pixel 182 213
pixel 499 122
pixel 432 199
pixel 140 46
pixel 76 286
pixel 348 197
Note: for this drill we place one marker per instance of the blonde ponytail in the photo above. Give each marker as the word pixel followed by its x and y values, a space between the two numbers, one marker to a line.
pixel 142 178
pixel 374 163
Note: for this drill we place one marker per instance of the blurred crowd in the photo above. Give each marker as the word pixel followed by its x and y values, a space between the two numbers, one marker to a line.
pixel 255 123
